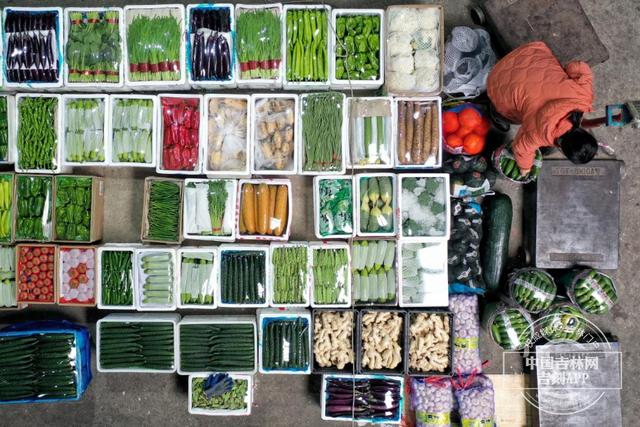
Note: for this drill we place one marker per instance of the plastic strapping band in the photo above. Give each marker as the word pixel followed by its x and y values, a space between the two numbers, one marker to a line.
pixel 538 293
pixel 598 293
pixel 513 335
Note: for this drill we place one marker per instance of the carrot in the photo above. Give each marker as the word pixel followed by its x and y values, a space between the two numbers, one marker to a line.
pixel 255 207
pixel 416 150
pixel 409 131
pixel 243 229
pixel 263 208
pixel 249 208
pixel 273 190
pixel 280 216
pixel 402 144
pixel 435 132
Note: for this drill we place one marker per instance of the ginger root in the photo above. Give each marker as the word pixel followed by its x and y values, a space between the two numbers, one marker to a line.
pixel 429 344
pixel 381 337
pixel 332 339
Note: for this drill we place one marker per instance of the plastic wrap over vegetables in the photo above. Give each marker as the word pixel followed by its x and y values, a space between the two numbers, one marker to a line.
pixel 357 47
pixel 181 133
pixel 4 128
pixel 34 202
pixel 331 278
pixel 8 276
pixel 197 277
pixel 132 124
pixel 77 284
pixel 432 400
pixel 466 334
pixel 370 135
pixel 423 274
pixel 210 40
pixel 591 290
pixel 209 209
pixel 73 203
pixel 84 138
pixel 377 204
pixel 285 344
pixel 510 327
pixel 264 209
pixel 322 131
pixel 375 399
pixel 307 41
pixel 37 136
pixel 374 271
pixel 275 128
pixel 476 401
pixel 258 45
pixel 227 139
pixel 423 206
pixel 335 212
pixel 243 277
pixel 418 134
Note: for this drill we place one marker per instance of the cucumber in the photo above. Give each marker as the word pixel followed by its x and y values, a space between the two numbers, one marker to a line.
pixel 495 243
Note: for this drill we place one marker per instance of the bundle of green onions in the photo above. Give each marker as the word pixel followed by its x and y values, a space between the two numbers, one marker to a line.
pixel 157 287
pixel 285 344
pixel 330 275
pixel 4 129
pixel 163 211
pixel 84 135
pixel 258 47
pixel 196 281
pixel 307 58
pixel 38 366
pixel 37 136
pixel 7 276
pixel 132 124
pixel 208 210
pixel 136 345
pixel 369 133
pixel 220 347
pixel 374 273
pixel 322 131
pixel 153 46
pixel 289 274
pixel 242 277
pixel 117 278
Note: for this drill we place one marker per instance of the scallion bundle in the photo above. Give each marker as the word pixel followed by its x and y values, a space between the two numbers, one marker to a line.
pixel 258 44
pixel 196 281
pixel 322 131
pixel 132 124
pixel 154 48
pixel 163 211
pixel 84 135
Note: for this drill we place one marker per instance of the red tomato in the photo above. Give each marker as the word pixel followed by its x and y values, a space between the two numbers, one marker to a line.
pixel 50 258
pixel 74 282
pixel 31 297
pixel 24 250
pixel 23 286
pixel 36 291
pixel 36 251
pixel 33 278
pixel 82 268
pixel 31 285
pixel 35 261
pixel 42 275
pixel 50 266
pixel 73 273
pixel 42 297
pixel 454 141
pixel 47 282
pixel 50 274
pixel 469 117
pixel 450 122
pixel 483 128
pixel 35 270
pixel 29 256
pixel 23 296
pixel 22 260
pixel 43 258
pixel 83 278
pixel 464 131
pixel 29 265
pixel 473 144
pixel 43 267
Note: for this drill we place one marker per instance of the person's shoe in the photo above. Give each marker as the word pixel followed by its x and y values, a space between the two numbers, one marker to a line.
pixel 499 122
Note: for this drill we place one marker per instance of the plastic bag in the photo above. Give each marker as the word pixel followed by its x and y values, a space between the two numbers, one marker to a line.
pixel 373 263
pixel 275 130
pixel 333 340
pixel 84 138
pixel 468 60
pixel 264 209
pixel 34 208
pixel 418 133
pixel 180 134
pixel 132 124
pixel 370 124
pixel 331 280
pixel 210 39
pixel 334 216
pixel 322 122
pixel 285 344
pixel 469 175
pixel 209 208
pixel 533 289
pixel 423 273
pixel 227 139
pixel 432 401
pixel 243 277
pixel 78 279
pixel 307 57
pixel 382 341
pixel 510 327
pixel 466 334
pixel 423 206
pixel 591 290
pixel 197 279
pixel 563 321
pixel 464 269
pixel 476 402
pixel 258 42
pixel 156 277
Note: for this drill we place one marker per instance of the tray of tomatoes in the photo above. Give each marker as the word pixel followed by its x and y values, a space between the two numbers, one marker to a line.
pixel 36 272
pixel 465 129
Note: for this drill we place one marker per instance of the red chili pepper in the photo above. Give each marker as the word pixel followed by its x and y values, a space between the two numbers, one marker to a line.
pixel 181 118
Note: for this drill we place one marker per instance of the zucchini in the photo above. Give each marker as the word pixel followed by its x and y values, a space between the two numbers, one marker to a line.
pixel 494 252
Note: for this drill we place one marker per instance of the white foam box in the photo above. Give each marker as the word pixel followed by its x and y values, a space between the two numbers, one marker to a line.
pixel 213 277
pixel 115 247
pixel 141 277
pixel 330 245
pixel 265 237
pixel 139 318
pixel 394 202
pixel 354 260
pixel 211 173
pixel 241 247
pixel 316 207
pixel 12 132
pixel 210 84
pixel 264 315
pixel 105 130
pixel 446 213
pixel 293 169
pixel 356 84
pixel 436 289
pixel 390 130
pixel 218 320
pixel 121 32
pixel 431 163
pixel 223 412
pixel 271 295
pixel 231 186
pixel 113 162
pixel 306 85
pixel 178 12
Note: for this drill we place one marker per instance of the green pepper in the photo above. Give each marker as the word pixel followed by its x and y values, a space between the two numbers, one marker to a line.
pixel 373 40
pixel 349 43
pixel 339 68
pixel 359 23
pixel 351 63
pixel 38 206
pixel 86 218
pixel 352 23
pixel 361 60
pixel 361 43
pixel 61 230
pixel 341 26
pixel 373 61
pixel 367 26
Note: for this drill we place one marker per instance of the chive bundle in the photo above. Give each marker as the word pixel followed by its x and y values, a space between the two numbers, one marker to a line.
pixel 285 344
pixel 330 269
pixel 289 274
pixel 157 269
pixel 136 345
pixel 40 366
pixel 243 278
pixel 117 278
pixel 196 283
pixel 322 131
pixel 163 214
pixel 37 138
pixel 217 348
pixel 258 43
pixel 153 46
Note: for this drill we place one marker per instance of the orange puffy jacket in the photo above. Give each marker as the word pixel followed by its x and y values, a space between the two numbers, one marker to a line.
pixel 530 87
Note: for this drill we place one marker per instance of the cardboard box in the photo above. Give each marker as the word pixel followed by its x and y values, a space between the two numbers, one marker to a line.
pixel 54 295
pixel 61 281
pixel 145 210
pixel 97 208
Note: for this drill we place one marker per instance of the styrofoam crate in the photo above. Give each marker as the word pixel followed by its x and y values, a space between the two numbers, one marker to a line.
pixel 223 412
pixel 436 290
pixel 105 130
pixel 230 209
pixel 394 202
pixel 284 315
pixel 275 245
pixel 431 163
pixel 446 213
pixel 265 237
pixel 140 280
pixel 116 247
pixel 212 277
pixel 331 245
pixel 316 207
pixel 390 129
pixel 243 247
pixel 155 128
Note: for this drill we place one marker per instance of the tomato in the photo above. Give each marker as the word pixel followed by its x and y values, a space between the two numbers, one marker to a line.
pixel 50 266
pixel 24 250
pixel 35 270
pixel 43 267
pixel 36 251
pixel 83 278
pixel 31 297
pixel 29 256
pixel 43 258
pixel 469 117
pixel 73 273
pixel 42 297
pixel 473 144
pixel 22 260
pixel 29 265
pixel 82 268
pixel 42 275
pixel 450 122
pixel 23 286
pixel 74 283
pixel 483 128
pixel 50 258
pixel 22 296
pixel 36 291
pixel 47 282
pixel 454 141
pixel 50 274
pixel 463 132
pixel 31 285
pixel 33 278
pixel 35 261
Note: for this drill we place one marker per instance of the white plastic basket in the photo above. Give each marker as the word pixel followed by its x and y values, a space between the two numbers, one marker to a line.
pixel 285 315
pixel 230 209
pixel 141 276
pixel 431 163
pixel 447 212
pixel 331 245
pixel 154 131
pixel 115 247
pixel 106 126
pixel 275 245
pixel 317 206
pixel 223 412
pixel 241 247
pixel 212 277
pixel 357 202
pixel 390 129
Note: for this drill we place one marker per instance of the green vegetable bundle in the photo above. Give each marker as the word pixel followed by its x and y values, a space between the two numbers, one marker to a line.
pixel 93 49
pixel 322 131
pixel 373 271
pixel 73 208
pixel 132 123
pixel 563 321
pixel 533 289
pixel 117 278
pixel 258 43
pixel 163 211
pixel 153 47
pixel 594 292
pixel 243 277
pixel 7 276
pixel 285 344
pixel 220 347
pixel 37 135
pixel 196 281
pixel 511 328
pixel 423 207
pixel 376 204
pixel 4 129
pixel 336 207
pixel 6 205
pixel 157 289
pixel 330 276
pixel 33 200
pixel 289 274
pixel 206 207
pixel 39 366
pixel 357 47
pixel 230 401
pixel 505 163
pixel 307 59
pixel 84 135
pixel 136 345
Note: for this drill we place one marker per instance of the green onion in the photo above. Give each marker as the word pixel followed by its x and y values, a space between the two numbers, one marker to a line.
pixel 322 131
pixel 163 211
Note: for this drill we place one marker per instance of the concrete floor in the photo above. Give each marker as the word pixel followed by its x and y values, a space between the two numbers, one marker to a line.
pixel 146 399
